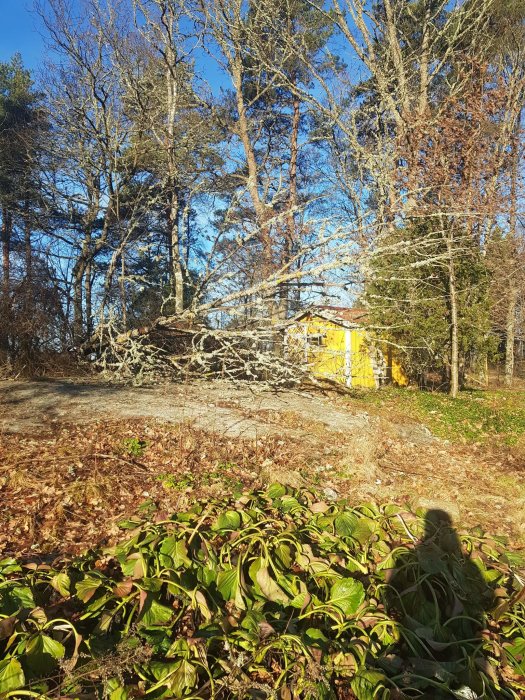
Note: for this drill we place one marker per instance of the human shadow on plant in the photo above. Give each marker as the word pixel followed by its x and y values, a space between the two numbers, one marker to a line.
pixel 438 597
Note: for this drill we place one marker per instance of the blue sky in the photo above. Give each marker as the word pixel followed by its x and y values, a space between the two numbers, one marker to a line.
pixel 19 32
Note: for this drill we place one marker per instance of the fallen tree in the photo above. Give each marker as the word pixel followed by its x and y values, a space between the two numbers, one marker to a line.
pixel 179 347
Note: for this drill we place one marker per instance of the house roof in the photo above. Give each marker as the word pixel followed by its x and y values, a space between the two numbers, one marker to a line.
pixel 342 315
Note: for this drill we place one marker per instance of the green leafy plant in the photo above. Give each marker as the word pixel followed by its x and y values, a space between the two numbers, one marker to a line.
pixel 275 594
pixel 134 446
pixel 178 482
pixel 220 474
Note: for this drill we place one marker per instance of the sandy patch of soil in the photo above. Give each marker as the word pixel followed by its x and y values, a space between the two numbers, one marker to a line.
pixel 230 409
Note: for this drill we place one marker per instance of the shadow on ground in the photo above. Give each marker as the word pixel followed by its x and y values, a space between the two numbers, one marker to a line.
pixel 438 595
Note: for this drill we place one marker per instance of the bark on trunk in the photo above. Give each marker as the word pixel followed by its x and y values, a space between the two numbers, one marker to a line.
pixel 454 325
pixel 263 213
pixel 512 292
pixel 88 300
pixel 27 245
pixel 510 333
pixel 6 231
pixel 176 271
pixel 424 77
pixel 28 333
pixel 78 299
pixel 78 316
pixel 6 250
pixel 123 297
pixel 290 233
pixel 173 212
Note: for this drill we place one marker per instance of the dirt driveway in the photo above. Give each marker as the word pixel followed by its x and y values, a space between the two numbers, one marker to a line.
pixel 236 410
pixel 192 431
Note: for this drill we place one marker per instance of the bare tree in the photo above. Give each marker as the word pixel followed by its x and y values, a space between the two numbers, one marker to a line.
pixel 89 138
pixel 333 139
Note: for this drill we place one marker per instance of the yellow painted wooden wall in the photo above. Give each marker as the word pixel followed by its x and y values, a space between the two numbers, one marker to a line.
pixel 339 353
pixel 399 376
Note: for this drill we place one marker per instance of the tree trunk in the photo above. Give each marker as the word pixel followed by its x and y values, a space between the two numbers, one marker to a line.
pixel 27 340
pixel 454 325
pixel 88 299
pixel 7 225
pixel 78 314
pixel 186 233
pixel 5 234
pixel 510 332
pixel 28 250
pixel 82 286
pixel 424 64
pixel 263 213
pixel 123 299
pixel 176 272
pixel 512 292
pixel 290 233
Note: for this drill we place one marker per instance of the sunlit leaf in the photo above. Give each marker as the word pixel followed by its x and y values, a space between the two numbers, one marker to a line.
pixel 87 587
pixel 23 596
pixel 230 520
pixel 229 586
pixel 183 679
pixel 269 588
pixel 174 553
pixel 365 684
pixel 275 491
pixel 61 583
pixel 345 524
pixel 347 594
pixel 154 612
pixel 11 675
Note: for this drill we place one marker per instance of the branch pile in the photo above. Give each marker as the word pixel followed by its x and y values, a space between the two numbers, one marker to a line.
pixel 177 348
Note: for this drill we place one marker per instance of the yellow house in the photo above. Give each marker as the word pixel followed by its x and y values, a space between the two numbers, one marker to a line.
pixel 332 341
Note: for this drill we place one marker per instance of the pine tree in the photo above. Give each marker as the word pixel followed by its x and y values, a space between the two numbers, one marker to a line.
pixel 20 125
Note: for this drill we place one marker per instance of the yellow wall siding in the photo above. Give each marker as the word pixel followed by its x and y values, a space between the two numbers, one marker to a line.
pixel 342 354
pixel 328 359
pixel 362 367
pixel 398 374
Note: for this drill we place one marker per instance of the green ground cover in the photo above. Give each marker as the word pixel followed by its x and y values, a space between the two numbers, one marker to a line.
pixel 276 594
pixel 475 416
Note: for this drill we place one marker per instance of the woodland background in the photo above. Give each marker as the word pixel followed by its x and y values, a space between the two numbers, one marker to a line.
pixel 222 164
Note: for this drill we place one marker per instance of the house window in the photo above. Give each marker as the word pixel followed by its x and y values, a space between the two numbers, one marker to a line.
pixel 317 339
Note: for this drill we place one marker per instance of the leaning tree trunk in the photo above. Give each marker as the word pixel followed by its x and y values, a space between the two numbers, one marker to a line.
pixel 263 213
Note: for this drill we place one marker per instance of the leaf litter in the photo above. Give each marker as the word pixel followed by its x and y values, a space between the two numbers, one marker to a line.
pixel 64 488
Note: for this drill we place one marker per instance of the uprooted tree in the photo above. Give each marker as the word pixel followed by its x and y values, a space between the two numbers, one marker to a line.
pixel 206 169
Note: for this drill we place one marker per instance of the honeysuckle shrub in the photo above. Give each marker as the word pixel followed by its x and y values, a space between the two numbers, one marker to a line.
pixel 275 594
